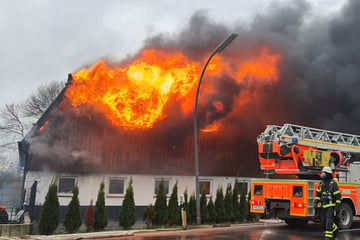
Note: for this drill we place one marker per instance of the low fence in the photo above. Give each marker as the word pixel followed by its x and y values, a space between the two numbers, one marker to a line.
pixel 11 196
pixel 14 230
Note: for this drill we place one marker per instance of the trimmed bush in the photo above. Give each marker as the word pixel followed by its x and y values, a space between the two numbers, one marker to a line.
pixel 160 207
pixel 244 209
pixel 229 205
pixel 186 205
pixel 173 208
pixel 149 215
pixel 127 216
pixel 212 211
pixel 90 217
pixel 73 216
pixel 192 209
pixel 236 202
pixel 220 206
pixel 101 220
pixel 49 215
pixel 203 207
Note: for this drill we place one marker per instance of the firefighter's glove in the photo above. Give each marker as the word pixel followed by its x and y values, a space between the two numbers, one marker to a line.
pixel 316 203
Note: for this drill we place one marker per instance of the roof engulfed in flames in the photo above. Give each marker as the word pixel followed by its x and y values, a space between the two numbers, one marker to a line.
pixel 135 95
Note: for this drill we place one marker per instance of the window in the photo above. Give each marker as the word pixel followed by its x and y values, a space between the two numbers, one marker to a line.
pixel 205 185
pixel 241 187
pixel 297 191
pixel 116 186
pixel 166 185
pixel 258 190
pixel 66 184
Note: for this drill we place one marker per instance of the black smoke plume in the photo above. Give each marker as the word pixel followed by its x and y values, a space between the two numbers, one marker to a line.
pixel 318 86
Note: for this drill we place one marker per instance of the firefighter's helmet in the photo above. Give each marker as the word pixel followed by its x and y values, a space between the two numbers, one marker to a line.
pixel 327 169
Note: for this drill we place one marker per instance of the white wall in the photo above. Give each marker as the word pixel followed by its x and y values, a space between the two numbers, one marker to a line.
pixel 143 185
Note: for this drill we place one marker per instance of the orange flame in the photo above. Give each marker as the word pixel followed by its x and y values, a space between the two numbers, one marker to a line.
pixel 263 67
pixel 136 94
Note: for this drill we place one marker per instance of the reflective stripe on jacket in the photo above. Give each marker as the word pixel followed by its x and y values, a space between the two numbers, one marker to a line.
pixel 328 194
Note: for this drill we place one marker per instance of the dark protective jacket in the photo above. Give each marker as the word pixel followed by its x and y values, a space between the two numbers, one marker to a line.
pixel 328 194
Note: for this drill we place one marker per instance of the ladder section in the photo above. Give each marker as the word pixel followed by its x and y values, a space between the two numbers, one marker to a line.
pixel 312 137
pixel 310 199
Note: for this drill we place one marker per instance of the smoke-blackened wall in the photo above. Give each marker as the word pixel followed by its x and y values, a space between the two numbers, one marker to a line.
pixel 316 85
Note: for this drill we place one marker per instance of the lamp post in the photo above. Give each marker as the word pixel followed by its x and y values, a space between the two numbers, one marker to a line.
pixel 219 49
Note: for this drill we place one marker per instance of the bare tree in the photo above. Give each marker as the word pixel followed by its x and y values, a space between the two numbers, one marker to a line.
pixel 16 119
pixel 39 101
pixel 12 126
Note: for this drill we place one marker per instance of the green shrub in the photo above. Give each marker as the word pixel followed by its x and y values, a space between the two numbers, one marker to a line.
pixel 203 207
pixel 173 208
pixel 101 220
pixel 220 206
pixel 49 215
pixel 229 205
pixel 236 202
pixel 192 209
pixel 73 216
pixel 149 215
pixel 160 207
pixel 244 209
pixel 212 211
pixel 127 216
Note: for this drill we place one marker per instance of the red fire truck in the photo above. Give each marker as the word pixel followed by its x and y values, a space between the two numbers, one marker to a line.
pixel 300 153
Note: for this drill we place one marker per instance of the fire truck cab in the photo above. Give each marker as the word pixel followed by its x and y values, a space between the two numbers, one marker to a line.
pixel 302 152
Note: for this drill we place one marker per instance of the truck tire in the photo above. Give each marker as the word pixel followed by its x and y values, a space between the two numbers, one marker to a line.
pixel 3 217
pixel 344 216
pixel 296 223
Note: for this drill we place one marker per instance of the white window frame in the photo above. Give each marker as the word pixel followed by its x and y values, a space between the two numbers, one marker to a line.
pixel 159 179
pixel 66 193
pixel 116 194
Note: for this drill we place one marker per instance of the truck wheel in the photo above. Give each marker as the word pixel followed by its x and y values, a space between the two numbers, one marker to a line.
pixel 296 223
pixel 344 216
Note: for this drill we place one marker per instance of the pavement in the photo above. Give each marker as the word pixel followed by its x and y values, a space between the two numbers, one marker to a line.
pixel 124 233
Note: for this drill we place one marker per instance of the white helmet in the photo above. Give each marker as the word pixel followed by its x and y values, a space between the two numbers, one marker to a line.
pixel 327 169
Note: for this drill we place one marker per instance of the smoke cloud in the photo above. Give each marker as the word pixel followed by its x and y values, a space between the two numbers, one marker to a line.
pixel 317 87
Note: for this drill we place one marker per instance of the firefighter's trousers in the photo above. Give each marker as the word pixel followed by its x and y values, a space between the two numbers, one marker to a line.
pixel 327 220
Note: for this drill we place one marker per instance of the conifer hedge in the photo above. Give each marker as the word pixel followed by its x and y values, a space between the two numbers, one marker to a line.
pixel 127 216
pixel 173 208
pixel 160 207
pixel 101 220
pixel 73 220
pixel 90 217
pixel 49 215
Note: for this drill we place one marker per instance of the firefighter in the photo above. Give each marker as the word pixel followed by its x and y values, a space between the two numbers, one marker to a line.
pixel 3 215
pixel 329 197
pixel 183 212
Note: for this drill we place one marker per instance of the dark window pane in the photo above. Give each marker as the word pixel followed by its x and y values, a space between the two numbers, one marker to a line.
pixel 66 185
pixel 116 186
pixel 205 185
pixel 258 190
pixel 166 186
pixel 242 187
pixel 297 191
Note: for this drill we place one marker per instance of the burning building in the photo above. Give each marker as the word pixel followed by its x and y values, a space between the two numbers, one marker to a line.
pixel 114 120
pixel 136 118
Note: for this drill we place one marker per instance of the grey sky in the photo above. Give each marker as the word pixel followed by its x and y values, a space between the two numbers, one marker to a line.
pixel 43 41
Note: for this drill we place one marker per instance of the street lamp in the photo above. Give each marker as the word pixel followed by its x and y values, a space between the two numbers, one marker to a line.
pixel 219 49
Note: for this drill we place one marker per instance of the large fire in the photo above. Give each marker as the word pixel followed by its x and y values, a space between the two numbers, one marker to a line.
pixel 135 95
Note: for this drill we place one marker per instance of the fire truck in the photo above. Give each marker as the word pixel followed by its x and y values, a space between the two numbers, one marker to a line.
pixel 298 153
